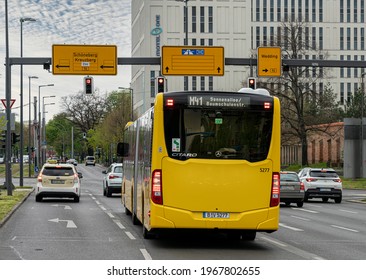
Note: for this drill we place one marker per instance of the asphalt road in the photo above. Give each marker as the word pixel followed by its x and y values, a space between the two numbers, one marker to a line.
pixel 97 228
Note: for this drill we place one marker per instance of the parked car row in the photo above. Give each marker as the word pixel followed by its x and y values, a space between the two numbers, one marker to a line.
pixel 310 183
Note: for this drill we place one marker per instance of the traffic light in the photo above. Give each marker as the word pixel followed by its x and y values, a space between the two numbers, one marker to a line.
pixel 88 85
pixel 14 138
pixel 161 84
pixel 252 83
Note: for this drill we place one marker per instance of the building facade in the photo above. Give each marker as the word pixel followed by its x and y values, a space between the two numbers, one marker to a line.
pixel 336 28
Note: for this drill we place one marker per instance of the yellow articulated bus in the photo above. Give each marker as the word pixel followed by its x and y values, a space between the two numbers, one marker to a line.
pixel 204 160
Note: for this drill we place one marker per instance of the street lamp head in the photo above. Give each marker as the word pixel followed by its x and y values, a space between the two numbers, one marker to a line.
pixel 27 19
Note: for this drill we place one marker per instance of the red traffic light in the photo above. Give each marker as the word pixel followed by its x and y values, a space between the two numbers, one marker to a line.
pixel 252 83
pixel 88 80
pixel 160 80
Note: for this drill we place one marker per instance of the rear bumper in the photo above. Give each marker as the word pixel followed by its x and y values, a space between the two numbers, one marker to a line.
pixel 332 193
pixel 285 197
pixel 58 192
pixel 266 220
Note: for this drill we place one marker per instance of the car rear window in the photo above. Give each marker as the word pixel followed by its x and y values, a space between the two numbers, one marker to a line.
pixel 323 173
pixel 54 171
pixel 289 177
pixel 118 169
pixel 89 158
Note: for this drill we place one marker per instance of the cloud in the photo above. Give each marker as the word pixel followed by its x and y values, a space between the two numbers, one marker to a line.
pixel 90 22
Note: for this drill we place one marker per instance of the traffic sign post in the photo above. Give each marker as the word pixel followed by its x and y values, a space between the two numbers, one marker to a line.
pixel 192 61
pixel 269 62
pixel 84 60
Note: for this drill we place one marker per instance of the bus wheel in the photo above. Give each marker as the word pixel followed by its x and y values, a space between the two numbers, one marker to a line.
pixel 249 235
pixel 147 234
pixel 127 212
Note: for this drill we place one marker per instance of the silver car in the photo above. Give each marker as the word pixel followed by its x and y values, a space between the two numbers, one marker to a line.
pixel 321 183
pixel 291 189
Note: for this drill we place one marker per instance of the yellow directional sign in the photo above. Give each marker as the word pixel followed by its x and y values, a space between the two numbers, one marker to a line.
pixel 269 62
pixel 84 59
pixel 192 61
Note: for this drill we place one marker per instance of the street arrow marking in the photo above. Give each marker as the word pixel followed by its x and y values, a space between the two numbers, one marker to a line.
pixel 69 223
pixel 66 207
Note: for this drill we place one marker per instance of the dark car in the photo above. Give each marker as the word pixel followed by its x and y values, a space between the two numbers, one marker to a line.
pixel 291 189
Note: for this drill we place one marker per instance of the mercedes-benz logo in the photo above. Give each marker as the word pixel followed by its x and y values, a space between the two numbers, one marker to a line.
pixel 218 154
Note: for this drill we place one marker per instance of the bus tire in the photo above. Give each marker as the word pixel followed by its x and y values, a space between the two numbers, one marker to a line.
pixel 249 235
pixel 127 212
pixel 135 221
pixel 147 234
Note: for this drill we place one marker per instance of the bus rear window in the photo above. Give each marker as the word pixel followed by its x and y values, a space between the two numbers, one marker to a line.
pixel 240 132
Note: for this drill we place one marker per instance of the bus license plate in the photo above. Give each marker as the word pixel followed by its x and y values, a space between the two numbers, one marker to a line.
pixel 220 215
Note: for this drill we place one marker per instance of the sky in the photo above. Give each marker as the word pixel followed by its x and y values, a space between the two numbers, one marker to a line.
pixel 70 22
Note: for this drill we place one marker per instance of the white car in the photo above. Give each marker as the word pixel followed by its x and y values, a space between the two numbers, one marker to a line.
pixel 321 183
pixel 58 180
pixel 112 181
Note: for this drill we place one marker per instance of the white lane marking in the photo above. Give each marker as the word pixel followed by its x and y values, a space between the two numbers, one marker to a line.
pixel 66 207
pixel 145 254
pixel 306 210
pixel 129 234
pixel 97 202
pixel 314 205
pixel 119 224
pixel 102 207
pixel 300 218
pixel 344 228
pixel 110 215
pixel 292 228
pixel 69 223
pixel 270 240
pixel 348 211
pixel 14 238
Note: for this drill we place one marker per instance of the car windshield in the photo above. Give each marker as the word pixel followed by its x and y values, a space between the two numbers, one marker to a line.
pixel 58 171
pixel 289 177
pixel 323 173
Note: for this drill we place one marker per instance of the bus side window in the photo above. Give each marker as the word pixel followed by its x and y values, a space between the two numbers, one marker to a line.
pixel 122 149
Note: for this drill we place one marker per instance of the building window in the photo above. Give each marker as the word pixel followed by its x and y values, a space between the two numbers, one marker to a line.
pixel 307 38
pixel 278 36
pixel 194 19
pixel 313 40
pixel 257 11
pixel 362 12
pixel 349 92
pixel 271 34
pixel 210 83
pixel 210 20
pixel 202 19
pixel 348 68
pixel 185 21
pixel 194 83
pixel 202 43
pixel 362 36
pixel 210 42
pixel 355 39
pixel 355 11
pixel 348 38
pixel 185 83
pixel 202 83
pixel 355 72
pixel 292 10
pixel 342 94
pixel 307 10
pixel 278 10
pixel 341 12
pixel 320 38
pixel 320 10
pixel 271 10
pixel 265 36
pixel 341 38
pixel 258 36
pixel 342 68
pixel 194 42
pixel 299 13
pixel 285 18
pixel 264 10
pixel 348 10
pixel 313 11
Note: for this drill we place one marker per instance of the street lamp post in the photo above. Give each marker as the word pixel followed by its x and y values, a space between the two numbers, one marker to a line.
pixel 186 19
pixel 361 134
pixel 21 101
pixel 44 125
pixel 29 126
pixel 39 121
pixel 131 92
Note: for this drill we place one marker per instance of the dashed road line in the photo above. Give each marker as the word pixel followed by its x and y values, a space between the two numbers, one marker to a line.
pixel 348 211
pixel 129 234
pixel 119 224
pixel 146 255
pixel 110 215
pixel 289 227
pixel 344 228
pixel 306 210
pixel 300 218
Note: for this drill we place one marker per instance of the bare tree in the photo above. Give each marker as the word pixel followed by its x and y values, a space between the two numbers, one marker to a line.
pixel 304 98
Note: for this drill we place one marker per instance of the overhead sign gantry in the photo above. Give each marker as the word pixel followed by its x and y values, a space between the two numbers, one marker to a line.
pixel 84 60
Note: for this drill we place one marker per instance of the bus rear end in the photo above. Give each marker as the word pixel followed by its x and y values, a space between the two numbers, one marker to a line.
pixel 222 162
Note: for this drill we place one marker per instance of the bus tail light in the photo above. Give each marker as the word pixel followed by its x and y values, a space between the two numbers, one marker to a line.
pixel 157 187
pixel 275 193
pixel 170 102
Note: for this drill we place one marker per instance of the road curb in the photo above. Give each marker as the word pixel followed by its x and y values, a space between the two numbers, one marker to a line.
pixel 7 217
